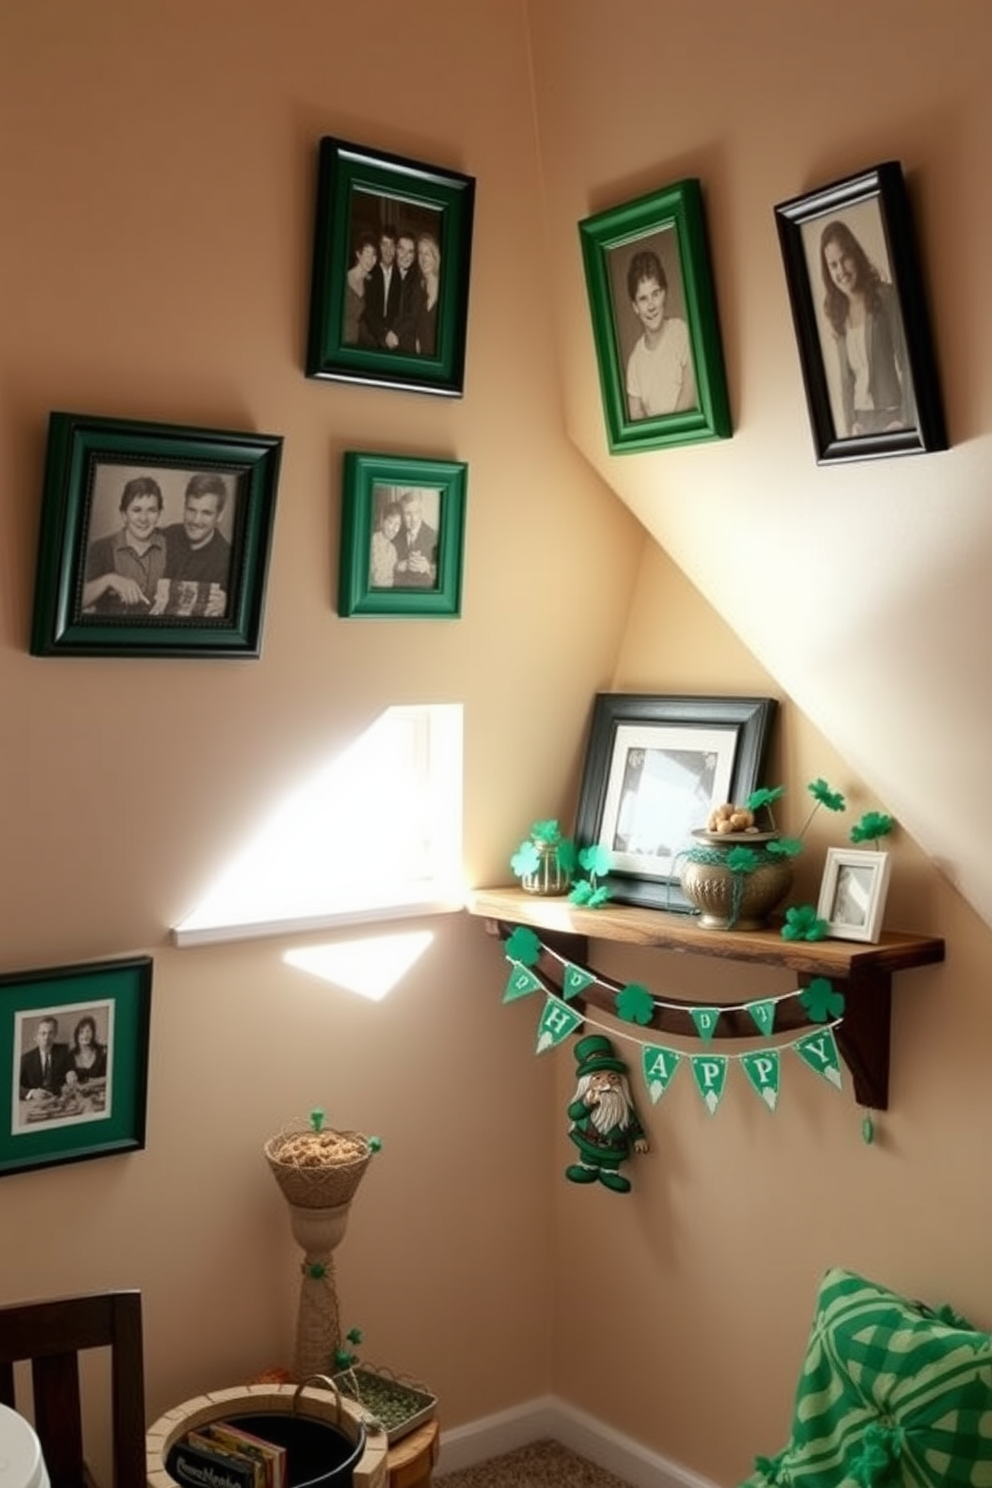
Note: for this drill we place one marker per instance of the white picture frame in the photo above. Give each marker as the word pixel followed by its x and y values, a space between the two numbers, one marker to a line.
pixel 853 891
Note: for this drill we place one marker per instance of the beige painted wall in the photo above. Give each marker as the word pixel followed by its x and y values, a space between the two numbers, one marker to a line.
pixel 157 167
pixel 872 584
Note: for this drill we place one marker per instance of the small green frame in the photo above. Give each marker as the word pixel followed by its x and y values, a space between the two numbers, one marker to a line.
pixel 202 600
pixel 685 400
pixel 75 1112
pixel 416 508
pixel 362 191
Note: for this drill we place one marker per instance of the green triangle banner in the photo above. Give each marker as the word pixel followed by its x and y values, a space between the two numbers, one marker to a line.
pixel 521 981
pixel 763 1072
pixel 557 1022
pixel 705 1020
pixel 819 1050
pixel 575 980
pixel 659 1066
pixel 710 1071
pixel 763 1014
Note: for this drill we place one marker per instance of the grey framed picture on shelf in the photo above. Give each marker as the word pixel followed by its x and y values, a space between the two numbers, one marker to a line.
pixel 860 314
pixel 654 769
pixel 853 891
pixel 654 321
pixel 154 539
pixel 391 261
pixel 73 1062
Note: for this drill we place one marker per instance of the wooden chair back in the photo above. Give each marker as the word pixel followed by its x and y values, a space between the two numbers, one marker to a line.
pixel 51 1334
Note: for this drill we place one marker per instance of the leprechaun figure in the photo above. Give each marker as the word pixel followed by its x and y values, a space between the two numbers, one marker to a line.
pixel 604 1126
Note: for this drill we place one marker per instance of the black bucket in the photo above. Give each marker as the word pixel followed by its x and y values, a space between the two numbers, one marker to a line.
pixel 318 1454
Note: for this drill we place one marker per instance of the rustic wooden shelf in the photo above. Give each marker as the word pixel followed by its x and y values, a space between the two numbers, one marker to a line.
pixel 863 973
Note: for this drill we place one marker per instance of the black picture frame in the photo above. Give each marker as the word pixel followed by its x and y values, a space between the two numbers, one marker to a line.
pixel 381 495
pixel 212 479
pixel 84 1113
pixel 666 228
pixel 704 750
pixel 862 226
pixel 362 191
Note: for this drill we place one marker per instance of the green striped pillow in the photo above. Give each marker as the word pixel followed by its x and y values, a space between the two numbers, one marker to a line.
pixel 890 1394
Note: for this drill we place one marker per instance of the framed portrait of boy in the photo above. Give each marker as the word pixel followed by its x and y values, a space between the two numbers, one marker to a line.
pixel 860 316
pixel 654 321
pixel 391 260
pixel 402 536
pixel 154 539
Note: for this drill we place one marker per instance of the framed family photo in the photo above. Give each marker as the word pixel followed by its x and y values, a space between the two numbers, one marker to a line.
pixel 73 1062
pixel 402 536
pixel 154 539
pixel 860 316
pixel 654 769
pixel 392 254
pixel 853 892
pixel 654 321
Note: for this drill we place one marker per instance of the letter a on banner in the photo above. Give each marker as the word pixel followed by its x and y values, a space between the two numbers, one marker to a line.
pixel 659 1067
pixel 710 1071
pixel 575 980
pixel 521 982
pixel 820 1052
pixel 557 1022
pixel 763 1071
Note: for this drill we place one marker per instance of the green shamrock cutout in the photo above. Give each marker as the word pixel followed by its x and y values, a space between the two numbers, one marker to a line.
pixel 635 1004
pixel 821 1001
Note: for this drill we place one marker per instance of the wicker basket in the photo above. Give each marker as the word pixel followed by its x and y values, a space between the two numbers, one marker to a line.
pixel 318 1169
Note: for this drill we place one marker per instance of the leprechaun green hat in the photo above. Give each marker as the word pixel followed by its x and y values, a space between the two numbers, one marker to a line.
pixel 596 1053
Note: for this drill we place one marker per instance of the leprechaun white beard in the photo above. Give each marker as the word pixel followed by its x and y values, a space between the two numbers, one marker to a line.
pixel 610 1110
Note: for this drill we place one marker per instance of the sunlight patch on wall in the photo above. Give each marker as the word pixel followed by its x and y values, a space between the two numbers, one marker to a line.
pixel 376 833
pixel 369 967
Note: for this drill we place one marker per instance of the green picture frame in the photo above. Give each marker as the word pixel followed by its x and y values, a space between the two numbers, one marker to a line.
pixel 672 354
pixel 193 586
pixel 416 507
pixel 77 1110
pixel 412 335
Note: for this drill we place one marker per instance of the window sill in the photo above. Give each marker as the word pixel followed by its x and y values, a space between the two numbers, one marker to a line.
pixel 435 899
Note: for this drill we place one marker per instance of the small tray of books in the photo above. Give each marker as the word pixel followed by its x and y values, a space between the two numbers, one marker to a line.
pixel 399 1406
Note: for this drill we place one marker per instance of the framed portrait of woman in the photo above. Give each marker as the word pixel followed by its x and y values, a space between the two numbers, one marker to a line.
pixel 860 315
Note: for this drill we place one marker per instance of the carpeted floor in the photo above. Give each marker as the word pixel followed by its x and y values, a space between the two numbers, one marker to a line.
pixel 541 1464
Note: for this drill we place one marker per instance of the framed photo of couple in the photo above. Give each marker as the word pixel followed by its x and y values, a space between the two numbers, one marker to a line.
pixel 73 1062
pixel 402 536
pixel 389 289
pixel 654 321
pixel 154 539
pixel 860 317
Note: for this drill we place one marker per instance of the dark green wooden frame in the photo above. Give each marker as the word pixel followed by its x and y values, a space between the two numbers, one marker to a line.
pixel 678 207
pixel 128 985
pixel 361 474
pixel 342 169
pixel 77 444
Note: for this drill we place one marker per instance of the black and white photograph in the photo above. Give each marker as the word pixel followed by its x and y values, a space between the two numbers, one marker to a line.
pixel 649 311
pixel 860 317
pixel 402 536
pixel 654 321
pixel 73 1062
pixel 63 1059
pixel 403 548
pixel 390 275
pixel 654 769
pixel 853 892
pixel 154 539
pixel 158 542
pixel 392 289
